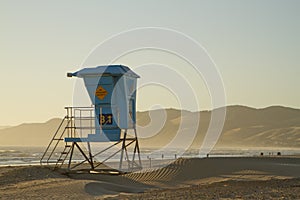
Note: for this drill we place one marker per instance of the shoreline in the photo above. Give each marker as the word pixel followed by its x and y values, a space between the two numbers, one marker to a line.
pixel 37 162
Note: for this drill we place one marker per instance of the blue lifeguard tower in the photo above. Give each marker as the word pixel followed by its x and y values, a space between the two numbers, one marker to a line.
pixel 112 92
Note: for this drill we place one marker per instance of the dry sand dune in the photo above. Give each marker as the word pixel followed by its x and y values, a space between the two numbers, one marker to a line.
pixel 270 177
pixel 194 169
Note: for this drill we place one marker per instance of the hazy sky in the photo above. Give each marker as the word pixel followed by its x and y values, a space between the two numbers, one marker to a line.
pixel 255 44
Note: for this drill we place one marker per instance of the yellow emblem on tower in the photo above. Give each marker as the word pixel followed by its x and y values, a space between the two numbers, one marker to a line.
pixel 101 92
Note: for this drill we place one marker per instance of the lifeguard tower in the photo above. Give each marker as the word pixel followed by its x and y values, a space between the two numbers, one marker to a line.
pixel 110 120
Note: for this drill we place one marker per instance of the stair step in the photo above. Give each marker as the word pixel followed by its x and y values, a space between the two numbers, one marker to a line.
pixel 64 152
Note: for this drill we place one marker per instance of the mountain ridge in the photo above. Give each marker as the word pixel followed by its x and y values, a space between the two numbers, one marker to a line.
pixel 273 126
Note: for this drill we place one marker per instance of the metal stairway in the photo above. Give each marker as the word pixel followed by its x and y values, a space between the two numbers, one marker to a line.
pixel 63 156
pixel 57 151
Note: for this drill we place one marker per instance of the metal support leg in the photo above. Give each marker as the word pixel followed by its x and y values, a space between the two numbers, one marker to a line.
pixel 122 151
pixel 91 156
pixel 81 151
pixel 133 156
pixel 71 155
pixel 127 157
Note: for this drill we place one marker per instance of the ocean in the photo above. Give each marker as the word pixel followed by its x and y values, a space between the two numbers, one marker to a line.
pixel 14 156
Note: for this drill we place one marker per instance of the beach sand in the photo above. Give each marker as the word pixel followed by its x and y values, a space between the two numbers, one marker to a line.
pixel 193 178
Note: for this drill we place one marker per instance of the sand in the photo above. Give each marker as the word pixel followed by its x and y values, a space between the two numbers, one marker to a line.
pixel 194 178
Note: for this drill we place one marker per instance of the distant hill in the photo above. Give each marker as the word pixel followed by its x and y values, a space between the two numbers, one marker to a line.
pixel 274 126
pixel 4 127
pixel 31 134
